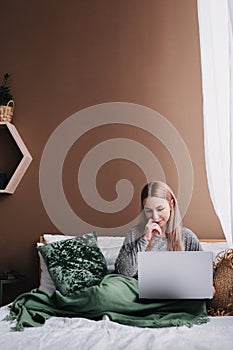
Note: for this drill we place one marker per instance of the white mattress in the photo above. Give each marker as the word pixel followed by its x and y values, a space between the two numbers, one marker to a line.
pixel 61 333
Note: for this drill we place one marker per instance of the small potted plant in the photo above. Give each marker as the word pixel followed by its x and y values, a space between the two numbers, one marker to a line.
pixel 6 99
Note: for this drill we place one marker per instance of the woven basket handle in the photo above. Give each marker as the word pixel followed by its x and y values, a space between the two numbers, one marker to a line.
pixel 12 104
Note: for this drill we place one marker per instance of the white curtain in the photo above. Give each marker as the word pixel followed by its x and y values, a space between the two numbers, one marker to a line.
pixel 215 30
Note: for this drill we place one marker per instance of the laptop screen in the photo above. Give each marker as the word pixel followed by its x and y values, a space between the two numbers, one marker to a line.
pixel 175 275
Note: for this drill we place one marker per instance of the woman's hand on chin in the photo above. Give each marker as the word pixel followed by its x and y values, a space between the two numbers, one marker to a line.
pixel 151 229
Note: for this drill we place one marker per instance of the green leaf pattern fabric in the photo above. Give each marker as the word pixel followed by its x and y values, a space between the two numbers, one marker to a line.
pixel 75 263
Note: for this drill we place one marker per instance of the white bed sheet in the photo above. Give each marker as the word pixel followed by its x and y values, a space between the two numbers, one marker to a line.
pixel 61 333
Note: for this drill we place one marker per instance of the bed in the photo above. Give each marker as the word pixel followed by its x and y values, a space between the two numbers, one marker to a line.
pixel 83 333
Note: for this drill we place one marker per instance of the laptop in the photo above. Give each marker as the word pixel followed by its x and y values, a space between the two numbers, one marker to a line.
pixel 175 275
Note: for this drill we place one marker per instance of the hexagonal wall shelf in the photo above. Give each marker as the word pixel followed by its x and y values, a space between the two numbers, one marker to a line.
pixel 14 157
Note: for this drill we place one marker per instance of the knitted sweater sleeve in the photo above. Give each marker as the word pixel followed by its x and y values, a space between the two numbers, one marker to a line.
pixel 127 260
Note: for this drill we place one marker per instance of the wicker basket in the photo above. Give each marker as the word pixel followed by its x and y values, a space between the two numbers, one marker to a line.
pixel 222 303
pixel 6 112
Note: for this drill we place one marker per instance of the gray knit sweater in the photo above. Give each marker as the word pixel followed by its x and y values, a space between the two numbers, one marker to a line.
pixel 126 262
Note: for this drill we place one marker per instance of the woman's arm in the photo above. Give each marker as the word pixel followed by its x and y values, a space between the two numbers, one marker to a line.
pixel 127 260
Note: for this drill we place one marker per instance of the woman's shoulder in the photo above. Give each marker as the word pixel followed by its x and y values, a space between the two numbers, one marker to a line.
pixel 190 239
pixel 186 232
pixel 133 233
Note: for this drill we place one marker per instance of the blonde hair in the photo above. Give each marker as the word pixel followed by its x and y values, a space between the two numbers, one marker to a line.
pixel 173 230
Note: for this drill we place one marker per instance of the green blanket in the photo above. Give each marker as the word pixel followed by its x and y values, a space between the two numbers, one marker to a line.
pixel 117 297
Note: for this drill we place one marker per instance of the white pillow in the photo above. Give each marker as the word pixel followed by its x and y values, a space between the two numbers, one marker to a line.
pixel 49 238
pixel 46 282
pixel 110 247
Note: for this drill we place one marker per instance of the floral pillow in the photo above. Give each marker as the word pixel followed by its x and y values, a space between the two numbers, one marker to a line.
pixel 74 263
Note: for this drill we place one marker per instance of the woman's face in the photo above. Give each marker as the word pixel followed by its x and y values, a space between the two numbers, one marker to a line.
pixel 158 209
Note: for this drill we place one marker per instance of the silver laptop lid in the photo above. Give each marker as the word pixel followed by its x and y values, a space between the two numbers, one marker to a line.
pixel 175 275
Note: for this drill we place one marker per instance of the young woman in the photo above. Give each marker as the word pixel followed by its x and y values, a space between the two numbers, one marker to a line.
pixel 159 229
pixel 117 294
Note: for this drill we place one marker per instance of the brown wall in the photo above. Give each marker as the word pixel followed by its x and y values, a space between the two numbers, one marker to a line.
pixel 68 55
